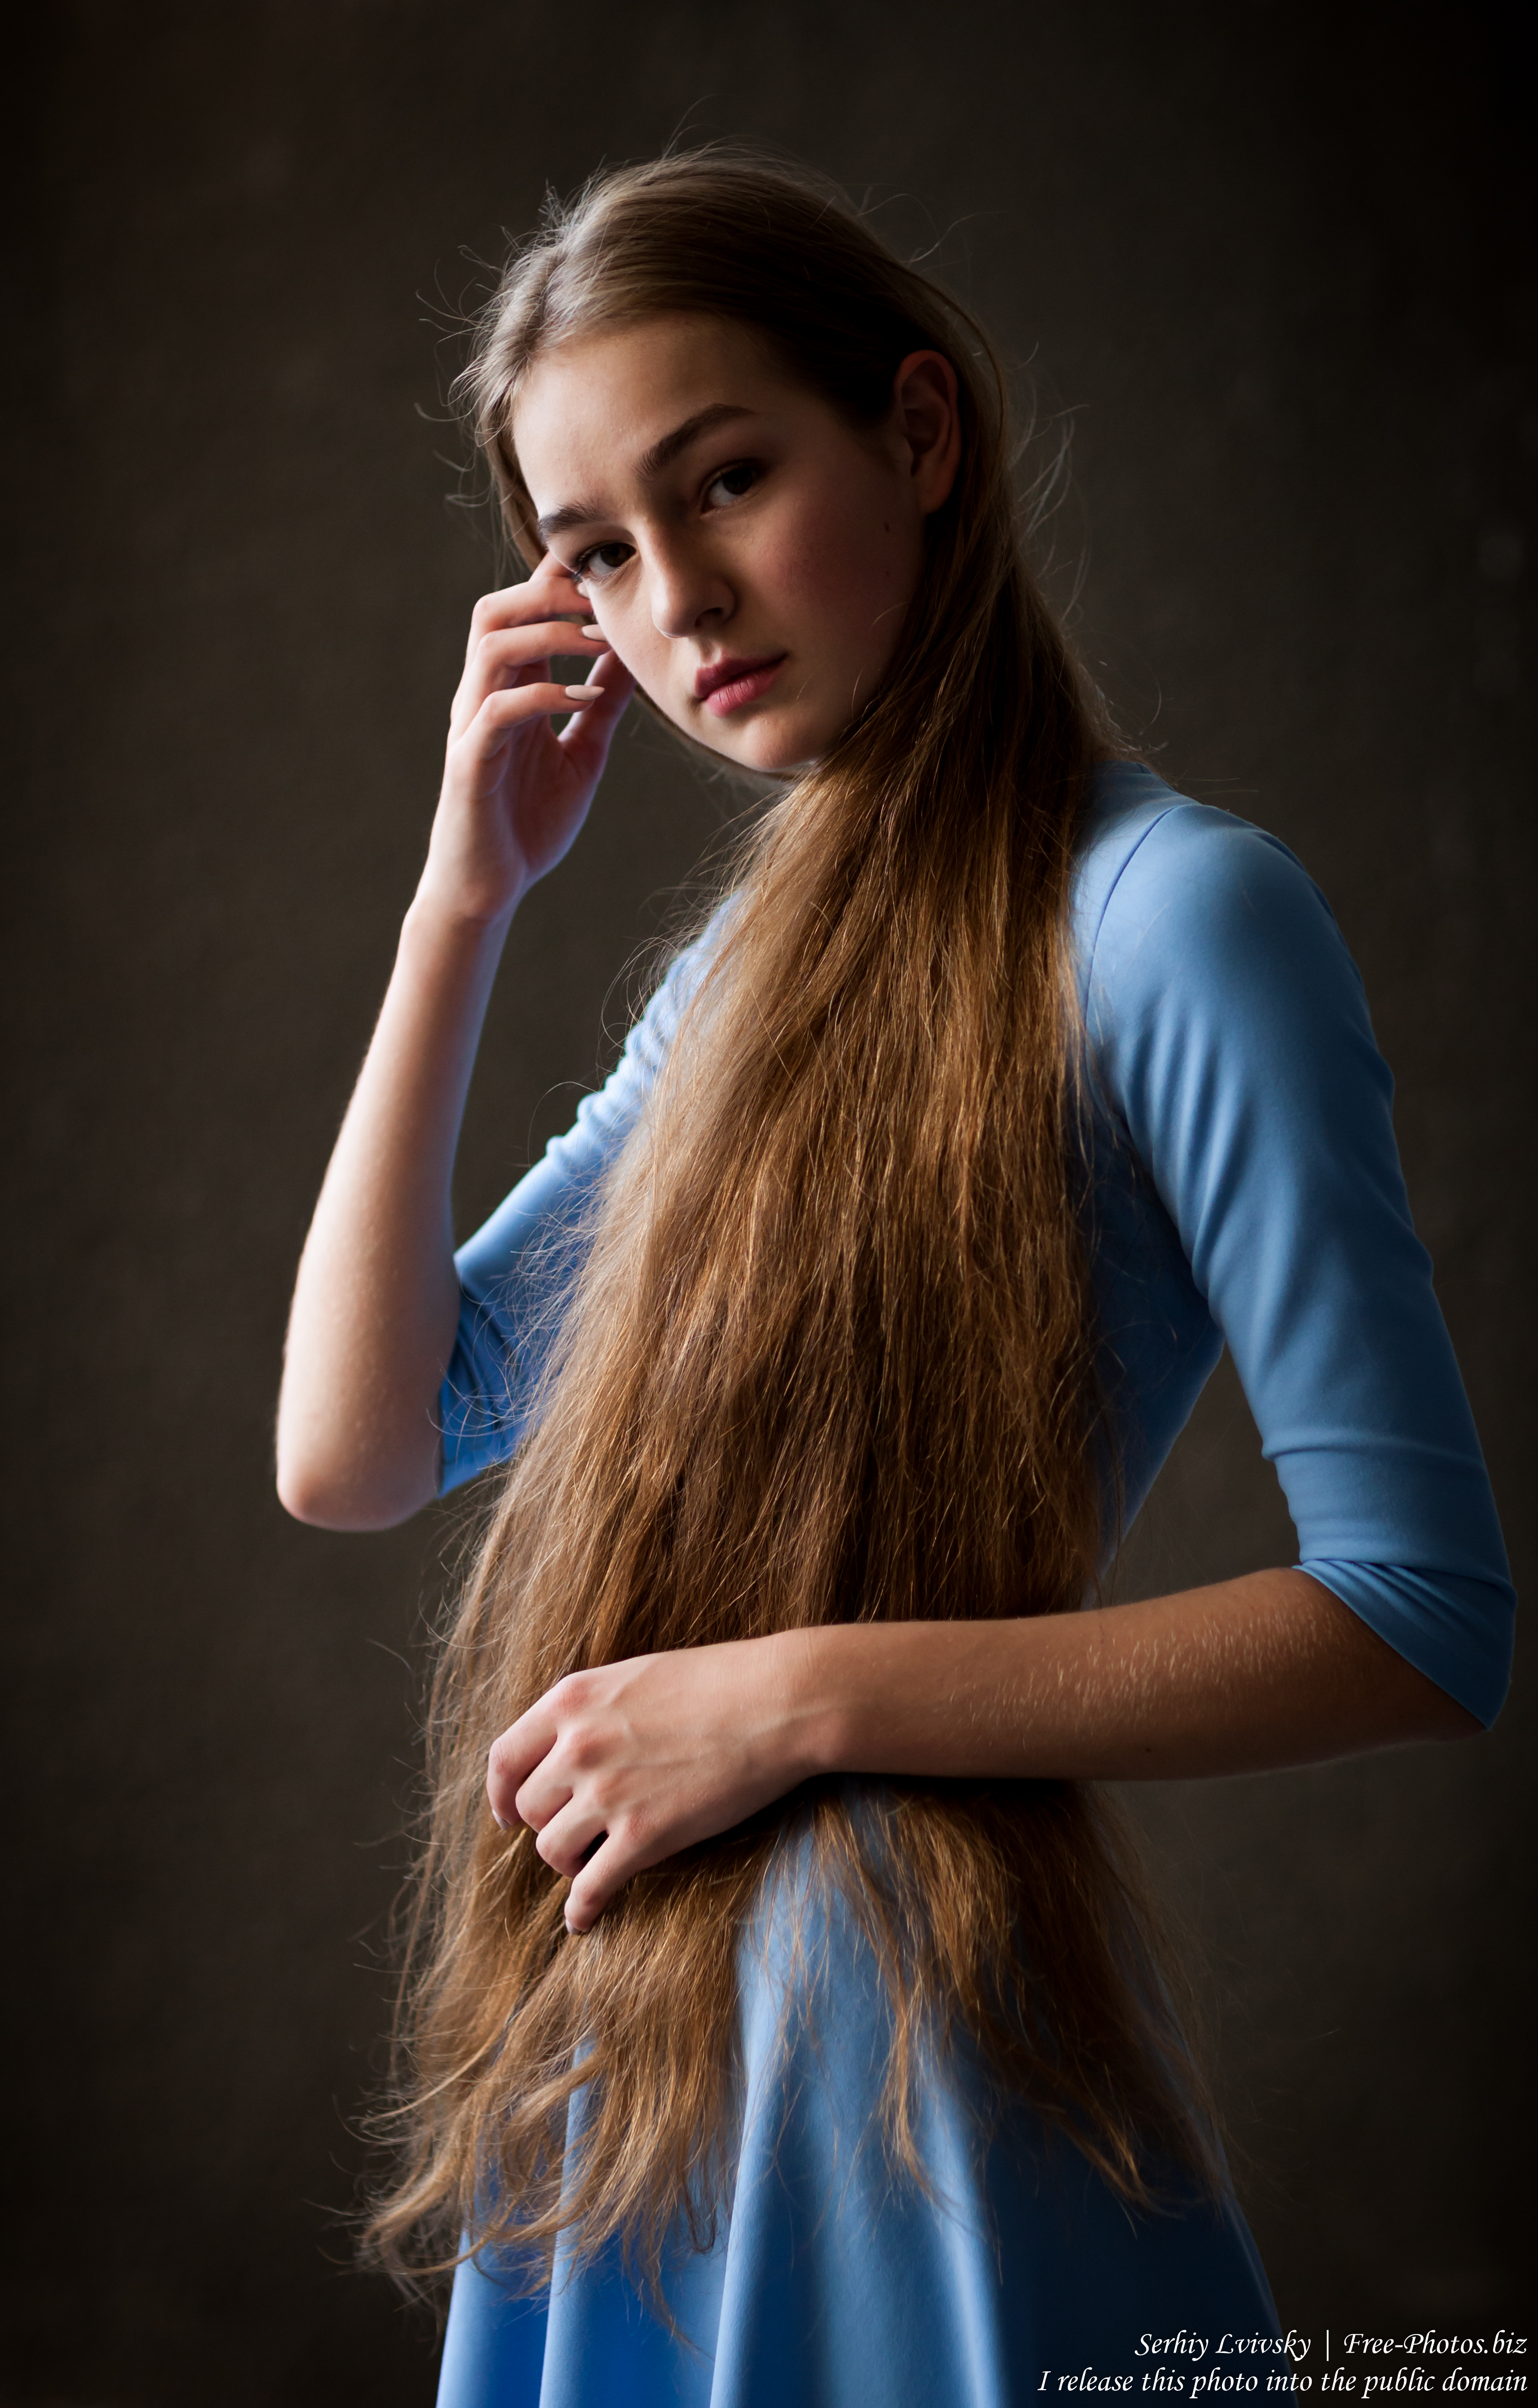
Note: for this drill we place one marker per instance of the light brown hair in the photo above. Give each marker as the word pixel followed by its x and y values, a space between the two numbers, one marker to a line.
pixel 828 1356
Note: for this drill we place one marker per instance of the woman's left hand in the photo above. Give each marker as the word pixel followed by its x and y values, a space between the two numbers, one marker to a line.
pixel 649 1755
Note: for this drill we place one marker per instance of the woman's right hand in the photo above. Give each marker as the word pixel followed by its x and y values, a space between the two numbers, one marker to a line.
pixel 515 793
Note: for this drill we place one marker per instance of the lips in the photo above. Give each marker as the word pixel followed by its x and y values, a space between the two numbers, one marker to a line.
pixel 727 685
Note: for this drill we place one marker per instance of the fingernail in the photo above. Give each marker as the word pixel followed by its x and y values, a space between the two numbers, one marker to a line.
pixel 595 631
pixel 584 692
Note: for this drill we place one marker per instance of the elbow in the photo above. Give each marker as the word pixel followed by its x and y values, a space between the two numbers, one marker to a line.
pixel 340 1497
pixel 1377 1678
pixel 304 1500
pixel 1417 1710
pixel 1446 1718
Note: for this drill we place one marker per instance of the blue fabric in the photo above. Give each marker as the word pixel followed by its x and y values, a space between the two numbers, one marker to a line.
pixel 1243 1188
pixel 1247 1189
pixel 838 2283
pixel 514 1272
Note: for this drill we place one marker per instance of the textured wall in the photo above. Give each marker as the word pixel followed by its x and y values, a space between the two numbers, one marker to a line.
pixel 1270 256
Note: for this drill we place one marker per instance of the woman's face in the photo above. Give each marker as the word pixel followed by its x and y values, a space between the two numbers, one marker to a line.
pixel 748 556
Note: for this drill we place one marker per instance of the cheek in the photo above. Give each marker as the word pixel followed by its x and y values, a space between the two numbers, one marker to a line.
pixel 632 636
pixel 853 566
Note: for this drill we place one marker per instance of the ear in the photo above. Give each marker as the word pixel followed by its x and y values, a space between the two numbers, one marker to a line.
pixel 927 414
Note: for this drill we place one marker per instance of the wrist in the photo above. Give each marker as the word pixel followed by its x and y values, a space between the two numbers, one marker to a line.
pixel 816 1717
pixel 440 923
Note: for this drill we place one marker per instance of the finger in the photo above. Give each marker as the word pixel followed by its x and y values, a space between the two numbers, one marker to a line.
pixel 610 672
pixel 544 1793
pixel 535 639
pixel 507 655
pixel 513 1756
pixel 601 1879
pixel 564 1839
pixel 510 708
pixel 587 737
pixel 549 592
pixel 548 575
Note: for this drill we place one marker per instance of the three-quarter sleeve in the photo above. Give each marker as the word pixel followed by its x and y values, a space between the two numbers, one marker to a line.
pixel 515 1273
pixel 1231 1034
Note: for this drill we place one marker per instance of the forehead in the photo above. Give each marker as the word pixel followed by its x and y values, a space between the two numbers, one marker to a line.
pixel 598 403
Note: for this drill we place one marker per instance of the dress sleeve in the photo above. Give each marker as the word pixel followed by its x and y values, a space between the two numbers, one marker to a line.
pixel 1232 1041
pixel 516 1273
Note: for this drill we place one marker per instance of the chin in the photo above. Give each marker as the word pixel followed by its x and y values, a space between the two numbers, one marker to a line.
pixel 779 753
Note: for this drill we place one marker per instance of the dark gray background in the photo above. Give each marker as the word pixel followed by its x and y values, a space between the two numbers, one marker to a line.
pixel 1272 258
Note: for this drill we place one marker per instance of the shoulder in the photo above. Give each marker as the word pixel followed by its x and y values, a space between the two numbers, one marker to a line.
pixel 1176 903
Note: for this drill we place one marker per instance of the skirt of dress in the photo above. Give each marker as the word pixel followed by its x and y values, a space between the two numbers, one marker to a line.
pixel 836 2283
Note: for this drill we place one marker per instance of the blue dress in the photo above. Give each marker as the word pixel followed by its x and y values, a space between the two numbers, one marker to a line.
pixel 1246 1190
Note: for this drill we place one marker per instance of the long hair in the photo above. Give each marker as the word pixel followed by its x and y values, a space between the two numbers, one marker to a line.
pixel 829 1357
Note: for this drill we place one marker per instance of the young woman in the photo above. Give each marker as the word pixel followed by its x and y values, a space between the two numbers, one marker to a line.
pixel 783 2021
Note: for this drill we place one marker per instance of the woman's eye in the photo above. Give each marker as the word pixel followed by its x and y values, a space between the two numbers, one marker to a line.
pixel 730 484
pixel 602 562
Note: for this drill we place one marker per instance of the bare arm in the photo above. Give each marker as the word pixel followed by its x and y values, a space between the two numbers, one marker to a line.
pixel 663 1750
pixel 376 1301
pixel 1244 1676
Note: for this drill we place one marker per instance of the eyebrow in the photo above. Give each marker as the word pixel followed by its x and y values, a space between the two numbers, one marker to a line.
pixel 663 452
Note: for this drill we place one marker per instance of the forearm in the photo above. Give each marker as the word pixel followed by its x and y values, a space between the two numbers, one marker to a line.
pixel 1268 1670
pixel 376 1300
pixel 624 1764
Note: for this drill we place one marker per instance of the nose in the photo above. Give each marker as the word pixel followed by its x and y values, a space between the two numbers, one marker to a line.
pixel 686 593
